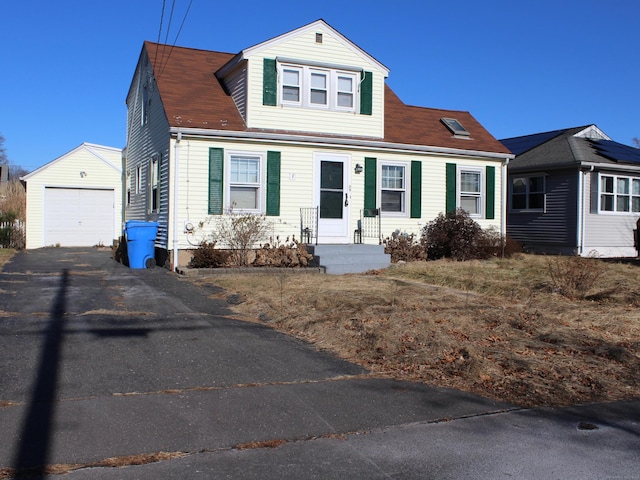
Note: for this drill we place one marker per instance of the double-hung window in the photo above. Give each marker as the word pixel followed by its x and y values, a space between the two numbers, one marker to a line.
pixel 345 91
pixel 154 183
pixel 471 193
pixel 393 188
pixel 245 176
pixel 316 87
pixel 138 179
pixel 291 85
pixel 527 193
pixel 319 91
pixel 619 194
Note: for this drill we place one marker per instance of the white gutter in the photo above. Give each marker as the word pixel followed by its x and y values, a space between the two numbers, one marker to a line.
pixel 176 190
pixel 333 142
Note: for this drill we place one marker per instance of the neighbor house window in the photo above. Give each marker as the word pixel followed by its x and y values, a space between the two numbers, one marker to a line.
pixel 393 188
pixel 245 177
pixel 471 194
pixel 619 194
pixel 527 193
pixel 306 86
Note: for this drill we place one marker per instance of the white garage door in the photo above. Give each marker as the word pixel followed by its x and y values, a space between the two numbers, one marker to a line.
pixel 78 217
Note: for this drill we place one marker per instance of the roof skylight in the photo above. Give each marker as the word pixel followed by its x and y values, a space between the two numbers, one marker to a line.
pixel 455 126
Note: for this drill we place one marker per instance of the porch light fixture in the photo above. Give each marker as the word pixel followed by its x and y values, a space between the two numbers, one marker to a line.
pixel 83 174
pixel 358 168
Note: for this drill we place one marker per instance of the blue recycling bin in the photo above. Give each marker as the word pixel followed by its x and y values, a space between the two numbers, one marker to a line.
pixel 141 239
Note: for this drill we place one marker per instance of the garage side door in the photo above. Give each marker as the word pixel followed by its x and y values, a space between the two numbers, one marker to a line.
pixel 77 217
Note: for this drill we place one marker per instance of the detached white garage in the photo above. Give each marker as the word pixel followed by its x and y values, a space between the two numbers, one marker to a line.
pixel 76 200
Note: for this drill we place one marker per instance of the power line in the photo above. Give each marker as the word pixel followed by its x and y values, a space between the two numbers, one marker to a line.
pixel 164 64
pixel 159 32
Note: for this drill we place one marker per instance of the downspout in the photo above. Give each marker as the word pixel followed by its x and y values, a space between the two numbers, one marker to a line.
pixel 503 221
pixel 176 190
pixel 581 211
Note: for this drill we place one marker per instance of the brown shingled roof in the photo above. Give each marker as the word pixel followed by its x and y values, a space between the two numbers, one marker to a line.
pixel 193 97
pixel 191 94
pixel 422 126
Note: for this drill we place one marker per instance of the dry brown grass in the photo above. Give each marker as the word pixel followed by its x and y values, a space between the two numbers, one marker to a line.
pixel 5 255
pixel 498 328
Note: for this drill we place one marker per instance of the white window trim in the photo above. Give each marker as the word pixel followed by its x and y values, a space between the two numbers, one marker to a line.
pixel 407 183
pixel 527 193
pixel 304 101
pixel 481 195
pixel 262 183
pixel 630 195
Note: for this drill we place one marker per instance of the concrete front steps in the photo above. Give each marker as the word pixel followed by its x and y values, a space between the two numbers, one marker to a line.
pixel 353 258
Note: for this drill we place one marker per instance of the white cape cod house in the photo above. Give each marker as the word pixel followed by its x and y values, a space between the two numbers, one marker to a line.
pixel 303 129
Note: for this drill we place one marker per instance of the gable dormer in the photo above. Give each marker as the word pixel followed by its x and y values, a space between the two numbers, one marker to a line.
pixel 312 79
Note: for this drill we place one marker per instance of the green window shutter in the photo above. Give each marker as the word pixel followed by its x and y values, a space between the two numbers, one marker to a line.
pixel 416 189
pixel 273 184
pixel 269 82
pixel 216 175
pixel 491 193
pixel 366 94
pixel 370 174
pixel 451 188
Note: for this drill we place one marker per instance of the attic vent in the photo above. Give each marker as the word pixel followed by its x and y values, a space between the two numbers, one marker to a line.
pixel 318 38
pixel 455 127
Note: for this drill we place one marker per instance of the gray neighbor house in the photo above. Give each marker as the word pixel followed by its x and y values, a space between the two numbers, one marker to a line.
pixel 574 192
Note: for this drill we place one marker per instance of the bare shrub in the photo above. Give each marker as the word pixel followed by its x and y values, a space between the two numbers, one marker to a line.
pixel 14 200
pixel 289 253
pixel 208 256
pixel 494 244
pixel 241 233
pixel 573 276
pixel 404 247
pixel 454 235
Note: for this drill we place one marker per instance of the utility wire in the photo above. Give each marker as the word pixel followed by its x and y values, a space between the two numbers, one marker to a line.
pixel 159 32
pixel 177 35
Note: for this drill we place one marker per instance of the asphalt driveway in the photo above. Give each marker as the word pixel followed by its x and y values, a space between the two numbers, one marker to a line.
pixel 101 365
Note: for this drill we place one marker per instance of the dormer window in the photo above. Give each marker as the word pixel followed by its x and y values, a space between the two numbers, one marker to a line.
pixel 317 87
pixel 455 127
pixel 291 85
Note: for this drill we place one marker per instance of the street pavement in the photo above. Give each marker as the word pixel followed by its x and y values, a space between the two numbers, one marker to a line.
pixel 113 373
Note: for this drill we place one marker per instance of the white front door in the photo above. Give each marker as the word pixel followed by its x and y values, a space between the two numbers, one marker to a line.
pixel 331 195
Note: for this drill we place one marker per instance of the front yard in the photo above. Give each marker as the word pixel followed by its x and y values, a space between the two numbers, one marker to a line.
pixel 530 330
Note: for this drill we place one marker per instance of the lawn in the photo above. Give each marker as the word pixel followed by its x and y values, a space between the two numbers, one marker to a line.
pixel 531 330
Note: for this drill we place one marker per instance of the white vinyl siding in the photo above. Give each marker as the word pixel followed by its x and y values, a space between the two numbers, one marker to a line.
pixel 342 120
pixel 296 187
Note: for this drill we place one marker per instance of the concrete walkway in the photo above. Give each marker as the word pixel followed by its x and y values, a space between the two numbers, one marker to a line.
pixel 101 365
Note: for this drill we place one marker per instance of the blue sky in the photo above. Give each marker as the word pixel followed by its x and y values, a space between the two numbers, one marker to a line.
pixel 518 67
